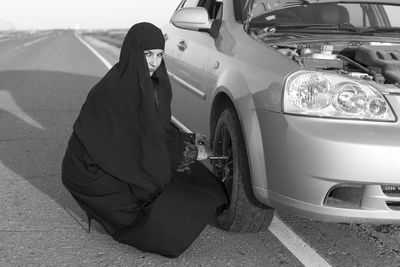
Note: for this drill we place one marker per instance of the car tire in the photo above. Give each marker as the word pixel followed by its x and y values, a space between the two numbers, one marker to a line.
pixel 244 212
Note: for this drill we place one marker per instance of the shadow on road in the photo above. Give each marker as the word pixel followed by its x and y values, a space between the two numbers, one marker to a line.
pixel 37 110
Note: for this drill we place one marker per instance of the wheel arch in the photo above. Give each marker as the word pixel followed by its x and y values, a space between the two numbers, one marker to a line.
pixel 248 120
pixel 221 101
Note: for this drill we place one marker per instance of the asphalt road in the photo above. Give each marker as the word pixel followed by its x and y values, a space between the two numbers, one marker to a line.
pixel 44 79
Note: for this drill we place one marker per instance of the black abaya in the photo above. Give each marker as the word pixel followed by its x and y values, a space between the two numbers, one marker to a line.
pixel 119 157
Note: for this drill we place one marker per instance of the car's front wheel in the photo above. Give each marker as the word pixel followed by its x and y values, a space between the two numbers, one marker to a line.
pixel 244 213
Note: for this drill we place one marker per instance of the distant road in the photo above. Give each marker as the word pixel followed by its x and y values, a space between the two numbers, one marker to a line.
pixel 44 79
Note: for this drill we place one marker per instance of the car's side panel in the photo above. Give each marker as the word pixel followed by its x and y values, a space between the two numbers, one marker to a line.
pixel 250 87
pixel 186 75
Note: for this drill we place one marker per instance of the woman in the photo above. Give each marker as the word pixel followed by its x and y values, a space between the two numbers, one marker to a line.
pixel 127 166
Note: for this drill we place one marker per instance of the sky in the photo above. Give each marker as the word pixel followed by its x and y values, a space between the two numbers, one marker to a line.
pixel 85 14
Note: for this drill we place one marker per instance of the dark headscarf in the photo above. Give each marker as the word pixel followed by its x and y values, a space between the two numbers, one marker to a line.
pixel 119 124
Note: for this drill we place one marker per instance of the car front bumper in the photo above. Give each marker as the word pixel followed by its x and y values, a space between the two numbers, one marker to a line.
pixel 311 161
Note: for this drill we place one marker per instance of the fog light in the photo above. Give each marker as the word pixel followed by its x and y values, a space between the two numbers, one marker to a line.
pixel 345 196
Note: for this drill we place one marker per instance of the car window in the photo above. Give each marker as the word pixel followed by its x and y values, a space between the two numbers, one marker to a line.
pixel 393 15
pixel 357 14
pixel 240 6
pixel 190 3
pixel 214 8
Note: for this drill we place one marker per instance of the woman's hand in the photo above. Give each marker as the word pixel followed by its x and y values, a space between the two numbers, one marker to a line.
pixel 203 147
pixel 204 152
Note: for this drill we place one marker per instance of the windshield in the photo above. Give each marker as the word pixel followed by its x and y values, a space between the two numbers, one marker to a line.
pixel 300 14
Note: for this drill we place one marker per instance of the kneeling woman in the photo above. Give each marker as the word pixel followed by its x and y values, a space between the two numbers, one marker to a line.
pixel 126 165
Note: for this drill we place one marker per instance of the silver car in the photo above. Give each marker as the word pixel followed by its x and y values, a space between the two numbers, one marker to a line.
pixel 301 101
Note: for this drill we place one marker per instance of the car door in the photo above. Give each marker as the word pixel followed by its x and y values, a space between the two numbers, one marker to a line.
pixel 190 51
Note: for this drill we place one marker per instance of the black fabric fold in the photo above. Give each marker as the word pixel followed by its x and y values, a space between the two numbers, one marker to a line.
pixel 119 124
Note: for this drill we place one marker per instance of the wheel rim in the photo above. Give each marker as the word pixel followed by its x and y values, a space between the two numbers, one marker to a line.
pixel 224 168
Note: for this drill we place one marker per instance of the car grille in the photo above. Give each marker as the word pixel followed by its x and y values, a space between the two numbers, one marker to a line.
pixel 393 205
pixel 391 190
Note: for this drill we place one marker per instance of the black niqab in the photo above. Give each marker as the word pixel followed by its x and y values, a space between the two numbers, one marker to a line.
pixel 119 124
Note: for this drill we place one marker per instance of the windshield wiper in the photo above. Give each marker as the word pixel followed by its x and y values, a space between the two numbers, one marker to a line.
pixel 339 26
pixel 296 3
pixel 381 29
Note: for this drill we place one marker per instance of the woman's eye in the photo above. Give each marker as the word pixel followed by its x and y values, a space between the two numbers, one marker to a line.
pixel 160 55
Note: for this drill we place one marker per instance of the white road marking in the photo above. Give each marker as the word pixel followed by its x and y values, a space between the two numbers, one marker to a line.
pixel 108 65
pixel 32 42
pixel 8 103
pixel 180 124
pixel 5 39
pixel 301 250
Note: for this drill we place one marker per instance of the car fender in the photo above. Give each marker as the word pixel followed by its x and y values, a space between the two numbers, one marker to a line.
pixel 232 84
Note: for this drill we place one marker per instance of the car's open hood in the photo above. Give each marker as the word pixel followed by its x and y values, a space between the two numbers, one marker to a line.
pixel 270 5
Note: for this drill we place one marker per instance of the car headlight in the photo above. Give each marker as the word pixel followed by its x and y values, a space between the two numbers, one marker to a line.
pixel 312 93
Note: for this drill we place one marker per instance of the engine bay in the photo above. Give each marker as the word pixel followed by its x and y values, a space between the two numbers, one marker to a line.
pixel 372 61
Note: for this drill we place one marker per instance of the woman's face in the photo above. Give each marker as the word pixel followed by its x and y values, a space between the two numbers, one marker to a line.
pixel 153 58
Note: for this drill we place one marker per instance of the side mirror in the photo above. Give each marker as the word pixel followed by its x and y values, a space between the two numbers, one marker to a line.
pixel 195 19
